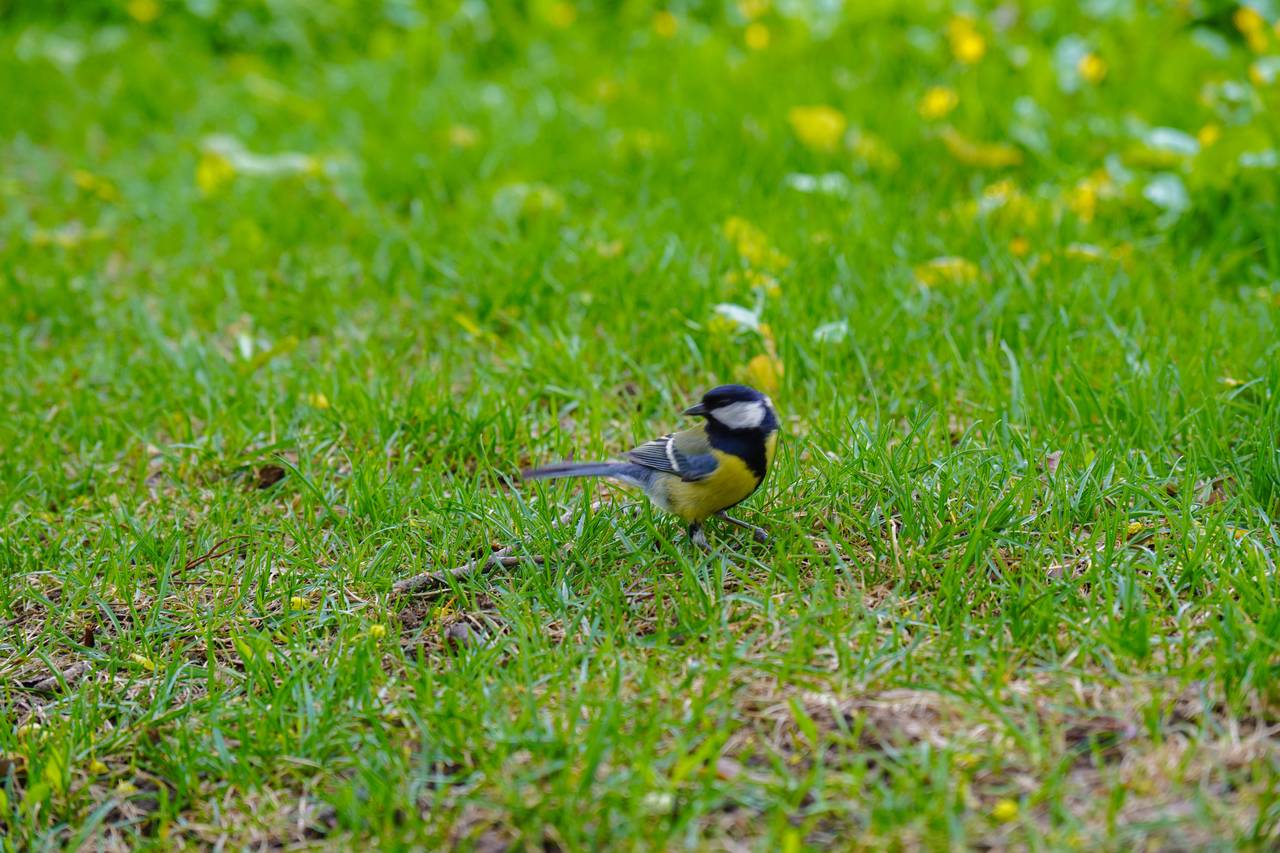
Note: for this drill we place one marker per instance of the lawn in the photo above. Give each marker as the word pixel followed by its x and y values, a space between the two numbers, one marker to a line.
pixel 291 291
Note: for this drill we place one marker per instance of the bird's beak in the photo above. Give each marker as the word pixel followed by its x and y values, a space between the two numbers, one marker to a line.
pixel 698 409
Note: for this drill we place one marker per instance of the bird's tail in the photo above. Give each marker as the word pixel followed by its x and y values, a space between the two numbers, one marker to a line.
pixel 624 471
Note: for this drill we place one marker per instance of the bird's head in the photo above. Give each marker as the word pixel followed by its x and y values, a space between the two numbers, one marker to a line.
pixel 736 408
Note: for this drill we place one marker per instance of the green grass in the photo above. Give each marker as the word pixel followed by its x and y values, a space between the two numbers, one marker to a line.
pixel 509 248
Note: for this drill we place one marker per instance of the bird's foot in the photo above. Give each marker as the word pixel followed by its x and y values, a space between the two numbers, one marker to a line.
pixel 699 538
pixel 757 533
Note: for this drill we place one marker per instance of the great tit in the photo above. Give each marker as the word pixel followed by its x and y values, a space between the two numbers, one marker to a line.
pixel 702 471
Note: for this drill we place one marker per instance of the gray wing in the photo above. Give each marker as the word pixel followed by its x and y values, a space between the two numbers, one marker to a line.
pixel 685 455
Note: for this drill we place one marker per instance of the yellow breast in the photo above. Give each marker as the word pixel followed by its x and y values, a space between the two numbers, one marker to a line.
pixel 731 483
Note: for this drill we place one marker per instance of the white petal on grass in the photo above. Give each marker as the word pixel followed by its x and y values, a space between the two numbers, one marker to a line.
pixel 247 162
pixel 1212 41
pixel 831 183
pixel 1167 192
pixel 1267 69
pixel 744 317
pixel 832 333
pixel 1066 62
pixel 1266 159
pixel 1172 140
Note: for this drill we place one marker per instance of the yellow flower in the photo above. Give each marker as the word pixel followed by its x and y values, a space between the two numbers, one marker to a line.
pixel 1248 20
pixel 297 602
pixel 819 127
pixel 213 173
pixel 1252 26
pixel 756 279
pixel 947 269
pixel 142 661
pixel 610 249
pixel 97 768
pixel 1082 199
pixel 1134 528
pixel 763 372
pixel 1006 201
pixel 967 44
pixel 752 244
pixel 463 136
pixel 318 400
pixel 1019 247
pixel 377 631
pixel 938 102
pixel 756 36
pixel 95 185
pixel 984 155
pixel 665 24
pixel 143 11
pixel 721 326
pixel 1005 811
pixel 1092 68
pixel 562 14
pixel 1208 135
pixel 874 151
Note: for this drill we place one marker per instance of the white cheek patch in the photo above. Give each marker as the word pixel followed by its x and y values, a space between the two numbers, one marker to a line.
pixel 747 414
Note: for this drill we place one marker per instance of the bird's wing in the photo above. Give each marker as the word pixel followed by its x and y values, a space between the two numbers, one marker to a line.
pixel 686 454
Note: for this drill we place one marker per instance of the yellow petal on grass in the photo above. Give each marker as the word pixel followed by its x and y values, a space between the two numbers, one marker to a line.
pixel 562 14
pixel 1082 199
pixel 377 631
pixel 1252 26
pixel 756 36
pixel 752 244
pixel 213 173
pixel 143 661
pixel 763 372
pixel 97 768
pixel 874 151
pixel 755 279
pixel 143 11
pixel 947 269
pixel 967 44
pixel 819 127
pixel 984 155
pixel 297 602
pixel 1208 135
pixel 95 185
pixel 463 136
pixel 938 102
pixel 318 400
pixel 1005 811
pixel 1092 68
pixel 665 24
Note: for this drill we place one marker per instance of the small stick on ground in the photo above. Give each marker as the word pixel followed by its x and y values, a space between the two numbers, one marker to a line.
pixel 504 557
pixel 70 675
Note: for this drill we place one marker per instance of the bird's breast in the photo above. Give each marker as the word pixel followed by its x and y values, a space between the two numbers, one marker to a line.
pixel 732 482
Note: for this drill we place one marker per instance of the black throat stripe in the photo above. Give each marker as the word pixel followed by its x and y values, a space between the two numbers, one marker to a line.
pixel 747 444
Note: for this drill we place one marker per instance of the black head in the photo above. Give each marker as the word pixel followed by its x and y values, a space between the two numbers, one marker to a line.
pixel 736 408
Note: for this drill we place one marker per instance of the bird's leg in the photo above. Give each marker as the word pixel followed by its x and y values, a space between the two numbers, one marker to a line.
pixel 757 532
pixel 698 537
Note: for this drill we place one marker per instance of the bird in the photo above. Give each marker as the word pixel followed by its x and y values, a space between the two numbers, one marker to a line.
pixel 698 472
